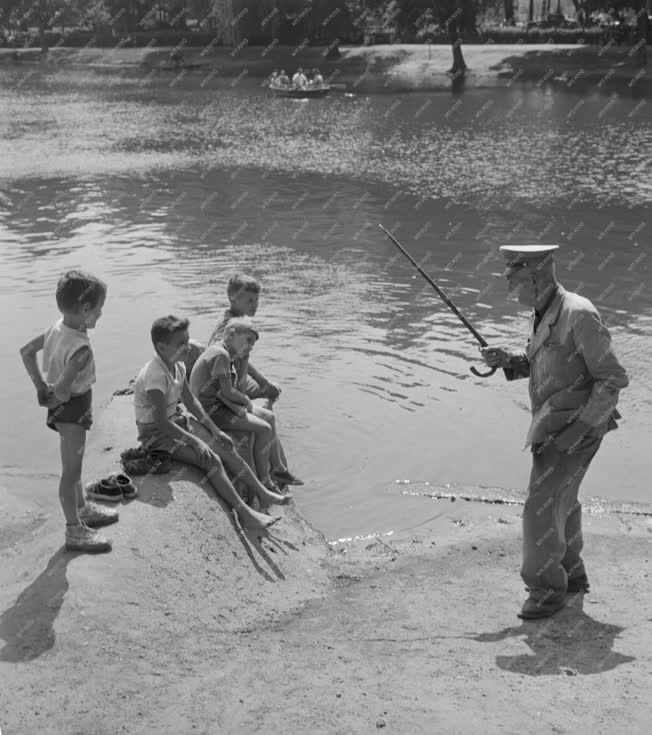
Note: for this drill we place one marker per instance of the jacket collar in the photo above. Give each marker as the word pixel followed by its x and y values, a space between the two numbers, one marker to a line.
pixel 538 338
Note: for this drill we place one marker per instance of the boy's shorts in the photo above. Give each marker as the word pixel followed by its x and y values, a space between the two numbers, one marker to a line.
pixel 78 410
pixel 252 389
pixel 151 438
pixel 220 414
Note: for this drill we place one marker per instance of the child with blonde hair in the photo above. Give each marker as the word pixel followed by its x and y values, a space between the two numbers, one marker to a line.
pixel 243 292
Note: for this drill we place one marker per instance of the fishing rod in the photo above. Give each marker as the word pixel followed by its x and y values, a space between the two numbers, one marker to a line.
pixel 481 341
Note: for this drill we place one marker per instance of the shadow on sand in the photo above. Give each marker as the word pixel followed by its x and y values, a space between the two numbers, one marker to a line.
pixel 27 627
pixel 158 491
pixel 570 642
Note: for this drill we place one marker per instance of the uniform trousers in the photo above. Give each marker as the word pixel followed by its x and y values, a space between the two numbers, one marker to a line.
pixel 552 517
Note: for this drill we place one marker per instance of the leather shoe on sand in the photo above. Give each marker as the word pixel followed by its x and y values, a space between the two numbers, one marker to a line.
pixel 579 584
pixel 540 608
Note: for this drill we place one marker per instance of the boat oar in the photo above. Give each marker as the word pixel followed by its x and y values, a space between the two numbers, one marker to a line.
pixel 482 342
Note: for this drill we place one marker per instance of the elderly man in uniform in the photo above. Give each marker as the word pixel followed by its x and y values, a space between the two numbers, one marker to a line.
pixel 574 380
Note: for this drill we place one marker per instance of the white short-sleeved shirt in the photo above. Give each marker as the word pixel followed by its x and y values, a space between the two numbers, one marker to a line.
pixel 60 344
pixel 156 376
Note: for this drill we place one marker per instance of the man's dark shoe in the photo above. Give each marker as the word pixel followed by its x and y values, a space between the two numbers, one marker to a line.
pixel 541 608
pixel 578 584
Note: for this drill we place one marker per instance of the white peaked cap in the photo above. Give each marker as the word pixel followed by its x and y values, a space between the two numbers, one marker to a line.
pixel 531 250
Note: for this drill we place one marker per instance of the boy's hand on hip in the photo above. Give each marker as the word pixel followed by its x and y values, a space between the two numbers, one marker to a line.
pixel 45 396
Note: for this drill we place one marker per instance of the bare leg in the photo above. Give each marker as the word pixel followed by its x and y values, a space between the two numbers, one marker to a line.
pixel 269 406
pixel 262 444
pixel 241 469
pixel 223 487
pixel 73 443
pixel 276 455
pixel 81 497
pixel 243 472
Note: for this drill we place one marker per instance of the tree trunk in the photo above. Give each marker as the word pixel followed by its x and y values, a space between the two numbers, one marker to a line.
pixel 459 66
pixel 509 12
pixel 530 12
pixel 642 27
pixel 42 39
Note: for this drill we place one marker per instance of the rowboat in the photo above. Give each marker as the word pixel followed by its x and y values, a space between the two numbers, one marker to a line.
pixel 302 93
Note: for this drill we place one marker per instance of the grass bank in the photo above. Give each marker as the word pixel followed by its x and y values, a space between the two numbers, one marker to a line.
pixel 189 626
pixel 397 67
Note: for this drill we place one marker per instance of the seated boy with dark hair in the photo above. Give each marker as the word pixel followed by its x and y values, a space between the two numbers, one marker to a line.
pixel 159 388
pixel 243 292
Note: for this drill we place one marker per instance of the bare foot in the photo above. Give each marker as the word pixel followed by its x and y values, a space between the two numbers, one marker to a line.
pixel 273 498
pixel 253 520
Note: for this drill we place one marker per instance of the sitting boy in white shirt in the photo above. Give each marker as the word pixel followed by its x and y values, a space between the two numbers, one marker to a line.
pixel 159 388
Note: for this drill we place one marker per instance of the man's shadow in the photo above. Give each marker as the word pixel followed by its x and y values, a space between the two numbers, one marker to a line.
pixel 27 627
pixel 570 642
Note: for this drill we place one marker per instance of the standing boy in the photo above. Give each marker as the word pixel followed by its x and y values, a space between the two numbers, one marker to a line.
pixel 70 369
pixel 158 390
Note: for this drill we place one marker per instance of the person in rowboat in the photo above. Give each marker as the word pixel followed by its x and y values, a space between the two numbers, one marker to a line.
pixel 299 80
pixel 575 378
pixel 283 80
pixel 273 79
pixel 317 80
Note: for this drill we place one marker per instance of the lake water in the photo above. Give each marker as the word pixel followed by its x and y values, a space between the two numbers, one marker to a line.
pixel 164 189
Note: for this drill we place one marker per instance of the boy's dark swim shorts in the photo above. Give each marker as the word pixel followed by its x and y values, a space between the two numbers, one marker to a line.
pixel 75 411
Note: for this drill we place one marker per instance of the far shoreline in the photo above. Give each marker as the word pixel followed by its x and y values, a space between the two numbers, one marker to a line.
pixel 369 69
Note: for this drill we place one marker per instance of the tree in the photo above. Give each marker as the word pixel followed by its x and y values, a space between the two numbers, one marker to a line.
pixel 456 17
pixel 509 12
pixel 44 15
pixel 95 16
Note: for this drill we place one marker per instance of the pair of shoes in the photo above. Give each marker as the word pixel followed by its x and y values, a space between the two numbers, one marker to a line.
pixel 83 538
pixel 578 584
pixel 543 607
pixel 94 515
pixel 112 489
pixel 285 477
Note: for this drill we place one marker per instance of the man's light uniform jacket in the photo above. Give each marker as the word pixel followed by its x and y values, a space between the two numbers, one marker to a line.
pixel 573 370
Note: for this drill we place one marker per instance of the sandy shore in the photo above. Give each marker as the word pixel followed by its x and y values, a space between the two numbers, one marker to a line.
pixel 391 68
pixel 189 626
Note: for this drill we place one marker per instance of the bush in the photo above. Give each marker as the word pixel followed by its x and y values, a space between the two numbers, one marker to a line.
pixel 135 39
pixel 511 35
